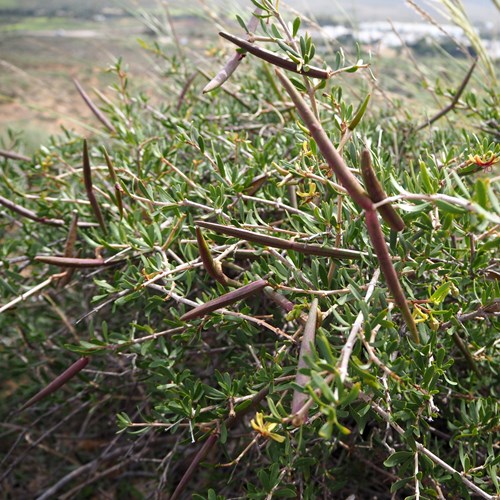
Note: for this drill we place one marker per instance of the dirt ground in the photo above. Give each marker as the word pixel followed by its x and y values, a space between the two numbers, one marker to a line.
pixel 37 95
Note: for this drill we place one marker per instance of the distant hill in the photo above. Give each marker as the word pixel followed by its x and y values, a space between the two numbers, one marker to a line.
pixel 355 10
pixel 362 10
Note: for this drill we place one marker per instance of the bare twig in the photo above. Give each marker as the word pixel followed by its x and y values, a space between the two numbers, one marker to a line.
pixel 422 449
pixel 468 205
pixel 345 355
pixel 27 294
pixel 454 101
pixel 185 89
pixel 117 452
pixel 47 433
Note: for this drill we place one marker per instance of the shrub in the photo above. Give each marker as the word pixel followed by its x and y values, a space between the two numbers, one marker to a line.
pixel 213 274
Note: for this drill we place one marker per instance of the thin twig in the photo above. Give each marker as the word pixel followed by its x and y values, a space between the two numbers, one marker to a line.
pixel 89 466
pixel 422 449
pixel 260 322
pixel 345 355
pixel 27 294
pixel 185 89
pixel 468 205
pixel 454 101
pixel 47 433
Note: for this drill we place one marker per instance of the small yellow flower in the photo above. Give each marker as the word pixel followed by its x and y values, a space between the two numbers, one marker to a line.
pixel 308 194
pixel 264 429
pixel 419 315
pixel 486 160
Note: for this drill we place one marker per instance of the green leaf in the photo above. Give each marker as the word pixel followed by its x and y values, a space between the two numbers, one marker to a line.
pixel 325 389
pixel 326 430
pixel 276 32
pixel 359 113
pixel 399 457
pixel 450 208
pixel 242 23
pixel 441 293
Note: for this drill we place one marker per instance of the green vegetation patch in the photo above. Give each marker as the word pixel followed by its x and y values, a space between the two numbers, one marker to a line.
pixel 263 286
pixel 47 23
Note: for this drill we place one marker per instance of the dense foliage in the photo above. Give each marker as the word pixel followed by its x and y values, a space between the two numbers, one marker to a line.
pixel 204 404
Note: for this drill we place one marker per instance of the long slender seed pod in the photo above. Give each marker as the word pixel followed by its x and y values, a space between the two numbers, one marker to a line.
pixel 69 248
pixel 225 72
pixel 229 422
pixel 29 214
pixel 332 156
pixel 279 299
pixel 13 155
pixel 97 112
pixel 273 241
pixel 358 194
pixel 234 61
pixel 200 455
pixel 256 184
pixel 58 382
pixel 377 193
pixel 276 60
pixel 390 275
pixel 225 300
pixel 211 267
pixel 87 179
pixel 112 173
pixel 308 339
pixel 72 261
